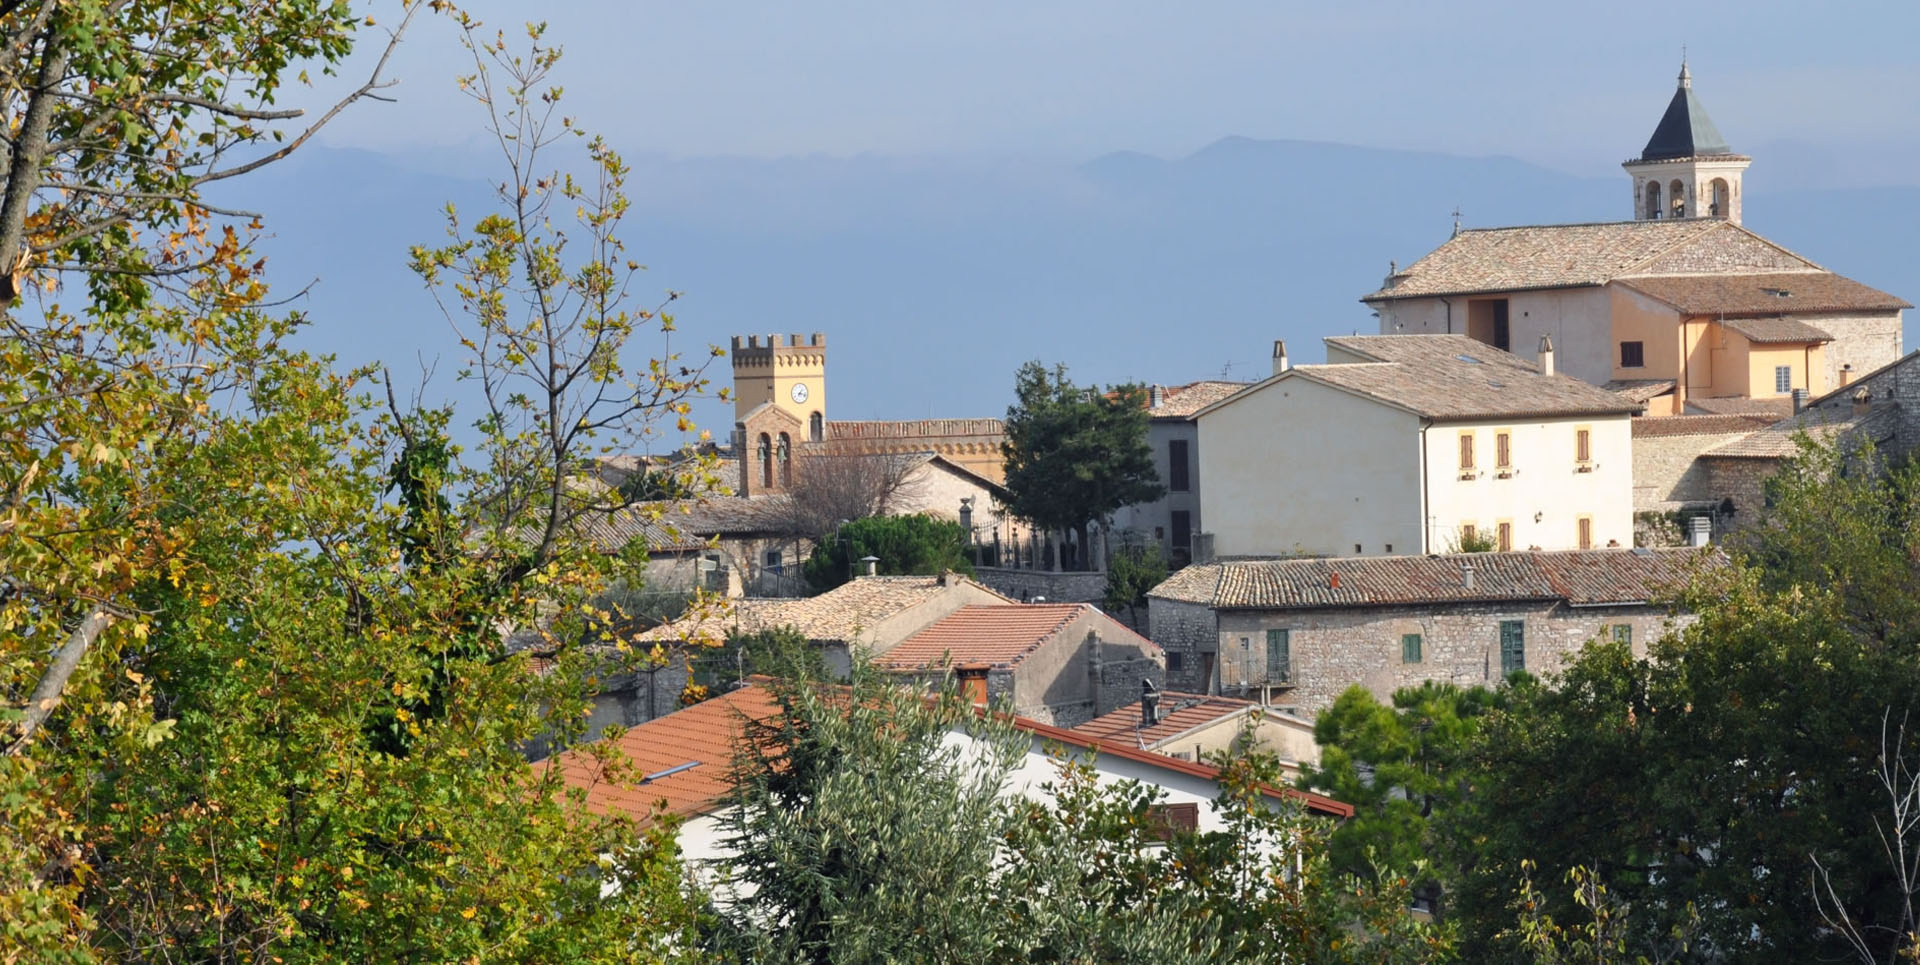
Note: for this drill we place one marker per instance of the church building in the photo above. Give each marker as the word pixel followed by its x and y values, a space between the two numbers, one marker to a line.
pixel 1678 305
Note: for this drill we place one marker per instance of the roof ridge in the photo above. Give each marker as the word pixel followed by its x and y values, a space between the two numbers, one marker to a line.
pixel 1685 239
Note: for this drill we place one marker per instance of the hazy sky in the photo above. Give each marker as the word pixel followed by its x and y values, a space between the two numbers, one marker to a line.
pixel 1575 86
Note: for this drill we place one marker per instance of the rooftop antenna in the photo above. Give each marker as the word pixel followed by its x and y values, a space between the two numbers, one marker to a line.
pixel 1224 369
pixel 1456 220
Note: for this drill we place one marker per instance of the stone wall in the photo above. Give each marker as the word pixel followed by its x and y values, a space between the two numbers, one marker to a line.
pixel 1333 649
pixel 1744 482
pixel 1866 341
pixel 1666 471
pixel 1029 585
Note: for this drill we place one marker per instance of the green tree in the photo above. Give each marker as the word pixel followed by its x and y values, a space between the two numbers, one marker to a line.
pixel 1074 454
pixel 1132 571
pixel 282 721
pixel 1404 768
pixel 914 544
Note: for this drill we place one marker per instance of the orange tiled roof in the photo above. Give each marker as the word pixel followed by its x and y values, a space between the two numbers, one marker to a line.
pixel 707 733
pixel 1180 713
pixel 702 735
pixel 995 635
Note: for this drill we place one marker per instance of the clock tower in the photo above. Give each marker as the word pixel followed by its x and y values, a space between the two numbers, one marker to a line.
pixel 786 372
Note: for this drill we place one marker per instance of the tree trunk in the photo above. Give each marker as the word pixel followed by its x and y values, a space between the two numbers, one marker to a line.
pixel 29 155
pixel 47 695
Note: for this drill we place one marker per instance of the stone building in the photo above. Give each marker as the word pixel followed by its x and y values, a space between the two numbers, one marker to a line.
pixel 1680 303
pixel 1194 727
pixel 1058 663
pixel 1296 633
pixel 1416 444
pixel 1172 520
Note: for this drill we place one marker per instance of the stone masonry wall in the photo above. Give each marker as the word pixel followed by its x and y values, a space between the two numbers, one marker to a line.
pixel 1184 631
pixel 1026 585
pixel 1666 474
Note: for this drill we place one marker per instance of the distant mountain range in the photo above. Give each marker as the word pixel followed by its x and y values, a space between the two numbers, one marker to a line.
pixel 935 278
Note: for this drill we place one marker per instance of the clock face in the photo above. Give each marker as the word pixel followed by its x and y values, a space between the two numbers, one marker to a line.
pixel 799 392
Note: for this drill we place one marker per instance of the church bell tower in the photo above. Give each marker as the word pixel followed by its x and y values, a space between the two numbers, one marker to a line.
pixel 1686 170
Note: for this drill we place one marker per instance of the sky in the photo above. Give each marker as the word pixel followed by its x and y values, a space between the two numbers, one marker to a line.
pixel 1563 85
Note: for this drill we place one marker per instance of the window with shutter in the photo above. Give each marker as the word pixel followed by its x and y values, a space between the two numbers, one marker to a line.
pixel 1279 656
pixel 1513 646
pixel 1503 450
pixel 1466 452
pixel 1505 541
pixel 1583 445
pixel 1409 648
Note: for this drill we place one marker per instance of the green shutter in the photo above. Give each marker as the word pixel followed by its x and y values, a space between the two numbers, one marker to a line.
pixel 1623 633
pixel 1409 648
pixel 1513 646
pixel 1279 656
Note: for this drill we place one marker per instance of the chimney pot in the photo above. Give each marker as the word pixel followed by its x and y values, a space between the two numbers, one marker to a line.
pixel 1149 702
pixel 1799 399
pixel 1546 355
pixel 1466 575
pixel 1846 373
pixel 1333 581
pixel 872 564
pixel 1156 396
pixel 1862 402
pixel 1699 531
pixel 1280 363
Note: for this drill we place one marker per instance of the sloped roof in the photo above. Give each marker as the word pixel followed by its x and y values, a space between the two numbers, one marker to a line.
pixel 702 735
pixel 706 733
pixel 1657 427
pixel 1770 408
pixel 1182 401
pixel 1778 441
pixel 1579 577
pixel 838 614
pixel 1180 713
pixel 685 524
pixel 1541 256
pixel 1639 390
pixel 1685 130
pixel 1767 331
pixel 1764 293
pixel 997 635
pixel 1456 377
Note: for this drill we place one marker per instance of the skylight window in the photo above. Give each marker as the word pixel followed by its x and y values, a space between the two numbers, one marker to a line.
pixel 1469 358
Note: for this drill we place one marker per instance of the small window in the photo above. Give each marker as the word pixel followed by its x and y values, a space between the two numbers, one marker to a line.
pixel 1177 480
pixel 1783 378
pixel 1279 656
pixel 1503 450
pixel 1389 547
pixel 1623 633
pixel 1164 821
pixel 1469 533
pixel 1505 538
pixel 1583 445
pixel 1409 648
pixel 1176 662
pixel 1466 452
pixel 1513 646
pixel 1633 355
pixel 773 560
pixel 1584 526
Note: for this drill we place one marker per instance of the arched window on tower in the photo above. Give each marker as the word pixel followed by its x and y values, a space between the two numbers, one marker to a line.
pixel 766 461
pixel 816 427
pixel 1722 198
pixel 1653 200
pixel 786 460
pixel 1677 199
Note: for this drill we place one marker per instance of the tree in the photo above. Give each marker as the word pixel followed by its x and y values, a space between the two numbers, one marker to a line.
pixel 833 487
pixel 1075 455
pixel 291 729
pixel 916 544
pixel 1404 768
pixel 1131 572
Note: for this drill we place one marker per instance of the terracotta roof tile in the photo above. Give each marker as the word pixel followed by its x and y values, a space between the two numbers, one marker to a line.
pixel 1780 440
pixel 1182 401
pixel 1456 377
pixel 1179 714
pixel 1767 331
pixel 1580 577
pixel 838 614
pixel 1540 256
pixel 1657 427
pixel 992 635
pixel 703 734
pixel 1761 294
pixel 1771 409
pixel 1639 390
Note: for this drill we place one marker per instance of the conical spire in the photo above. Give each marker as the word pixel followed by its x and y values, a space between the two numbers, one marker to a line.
pixel 1684 130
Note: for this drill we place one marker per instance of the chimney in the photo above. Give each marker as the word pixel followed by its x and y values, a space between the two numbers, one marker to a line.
pixel 1466 575
pixel 1862 402
pixel 1333 581
pixel 1799 400
pixel 872 564
pixel 1699 530
pixel 1149 702
pixel 1546 355
pixel 1280 363
pixel 1846 373
pixel 1156 396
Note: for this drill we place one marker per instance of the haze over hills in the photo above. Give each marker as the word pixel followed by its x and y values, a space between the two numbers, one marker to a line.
pixel 936 277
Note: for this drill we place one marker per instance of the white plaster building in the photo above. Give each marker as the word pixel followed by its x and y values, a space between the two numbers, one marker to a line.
pixel 1416 444
pixel 1679 304
pixel 1171 520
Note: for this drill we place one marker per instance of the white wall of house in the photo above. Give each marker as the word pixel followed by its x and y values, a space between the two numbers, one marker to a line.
pixel 1544 493
pixel 1579 319
pixel 1294 466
